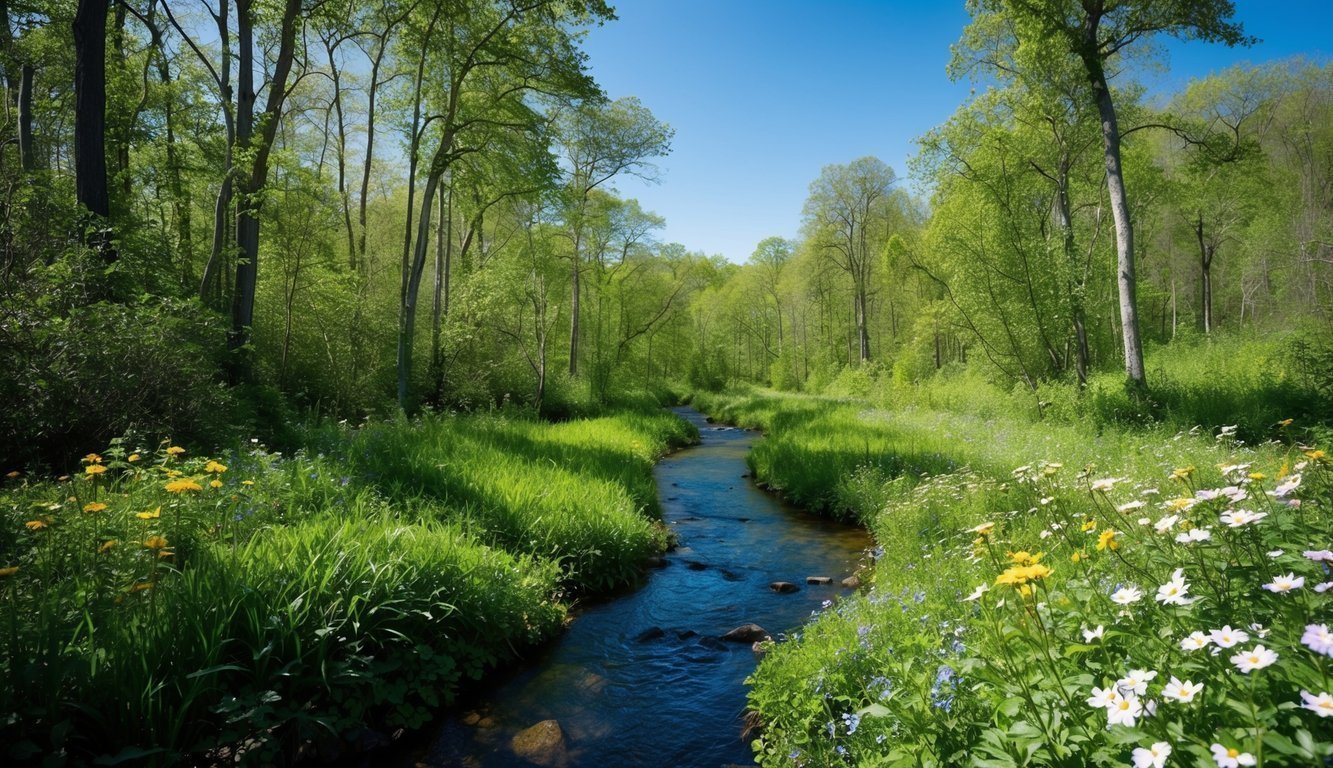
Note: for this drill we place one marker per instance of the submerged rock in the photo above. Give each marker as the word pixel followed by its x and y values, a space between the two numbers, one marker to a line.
pixel 542 744
pixel 746 633
pixel 821 580
pixel 784 587
pixel 651 633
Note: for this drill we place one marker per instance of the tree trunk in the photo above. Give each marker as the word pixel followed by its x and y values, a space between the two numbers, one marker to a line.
pixel 1124 228
pixel 1206 251
pixel 27 154
pixel 1065 221
pixel 342 156
pixel 575 292
pixel 90 106
pixel 408 309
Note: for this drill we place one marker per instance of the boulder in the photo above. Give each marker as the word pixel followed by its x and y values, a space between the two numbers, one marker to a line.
pixel 852 582
pixel 541 744
pixel 746 633
pixel 784 587
pixel 820 580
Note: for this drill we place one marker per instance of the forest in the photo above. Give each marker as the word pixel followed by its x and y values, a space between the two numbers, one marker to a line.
pixel 355 277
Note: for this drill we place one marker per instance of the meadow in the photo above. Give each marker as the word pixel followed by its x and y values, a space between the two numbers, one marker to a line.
pixel 160 606
pixel 1058 591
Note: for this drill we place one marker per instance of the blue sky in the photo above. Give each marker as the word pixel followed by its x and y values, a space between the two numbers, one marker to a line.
pixel 764 93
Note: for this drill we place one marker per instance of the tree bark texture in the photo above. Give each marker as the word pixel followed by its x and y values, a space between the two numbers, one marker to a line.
pixel 90 106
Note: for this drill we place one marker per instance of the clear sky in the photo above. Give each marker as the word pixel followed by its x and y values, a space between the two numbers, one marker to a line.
pixel 764 93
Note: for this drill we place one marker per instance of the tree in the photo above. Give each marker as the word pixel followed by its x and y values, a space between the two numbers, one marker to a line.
pixel 90 106
pixel 848 213
pixel 601 141
pixel 1094 32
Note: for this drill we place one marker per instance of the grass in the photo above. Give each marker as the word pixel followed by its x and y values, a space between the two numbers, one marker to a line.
pixel 911 672
pixel 165 608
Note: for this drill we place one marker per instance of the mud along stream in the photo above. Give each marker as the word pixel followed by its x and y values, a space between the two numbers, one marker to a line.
pixel 644 679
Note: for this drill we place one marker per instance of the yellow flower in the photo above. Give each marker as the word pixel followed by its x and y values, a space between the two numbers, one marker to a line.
pixel 1021 574
pixel 982 530
pixel 1074 558
pixel 1284 423
pixel 94 469
pixel 133 457
pixel 1025 590
pixel 1315 454
pixel 35 525
pixel 92 458
pixel 215 483
pixel 1257 475
pixel 247 482
pixel 1182 473
pixel 62 478
pixel 9 570
pixel 13 474
pixel 155 542
pixel 215 467
pixel 141 586
pixel 1178 505
pixel 1284 470
pixel 1024 558
pixel 1090 525
pixel 1107 539
pixel 149 515
pixel 106 546
pixel 181 486
pixel 175 450
pixel 94 506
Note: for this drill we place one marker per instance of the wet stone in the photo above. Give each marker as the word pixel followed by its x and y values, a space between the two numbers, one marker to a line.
pixel 542 744
pixel 852 582
pixel 820 580
pixel 784 587
pixel 746 633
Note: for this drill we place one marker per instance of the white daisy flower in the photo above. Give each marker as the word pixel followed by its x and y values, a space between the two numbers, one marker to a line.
pixel 1136 682
pixel 1195 641
pixel 1227 637
pixel 1127 595
pixel 1318 639
pixel 1285 583
pixel 1181 691
pixel 1258 658
pixel 1321 705
pixel 1230 757
pixel 1152 757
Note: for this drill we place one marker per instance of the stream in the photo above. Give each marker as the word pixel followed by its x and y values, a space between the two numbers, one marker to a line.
pixel 643 679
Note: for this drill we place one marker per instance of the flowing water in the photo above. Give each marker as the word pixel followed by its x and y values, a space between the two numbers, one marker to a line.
pixel 644 680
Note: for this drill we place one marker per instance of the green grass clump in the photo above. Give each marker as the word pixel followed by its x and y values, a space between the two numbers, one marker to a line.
pixel 172 608
pixel 967 650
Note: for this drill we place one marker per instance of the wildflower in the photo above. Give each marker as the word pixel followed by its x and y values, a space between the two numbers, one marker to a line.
pixel 94 506
pixel 1130 506
pixel 141 586
pixel 13 474
pixel 852 720
pixel 1019 575
pixel 156 513
pixel 1318 639
pixel 1315 455
pixel 107 546
pixel 155 542
pixel 1074 558
pixel 1227 637
pixel 1175 591
pixel 1025 558
pixel 175 450
pixel 1166 523
pixel 1230 757
pixel 1195 641
pixel 1227 431
pixel 181 486
pixel 1181 691
pixel 1135 682
pixel 1104 698
pixel 1285 488
pixel 8 571
pixel 1182 473
pixel 1257 476
pixel 977 593
pixel 35 525
pixel 1089 635
pixel 1239 517
pixel 1105 484
pixel 1152 757
pixel 133 457
pixel 1259 630
pixel 1319 555
pixel 1285 583
pixel 94 469
pixel 1321 705
pixel 247 482
pixel 214 467
pixel 1124 712
pixel 1127 595
pixel 1248 661
pixel 1178 505
pixel 1107 539
pixel 1089 525
pixel 982 530
pixel 1194 534
pixel 1274 553
pixel 1285 423
pixel 92 458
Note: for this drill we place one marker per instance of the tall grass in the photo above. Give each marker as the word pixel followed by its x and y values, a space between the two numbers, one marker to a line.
pixel 171 609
